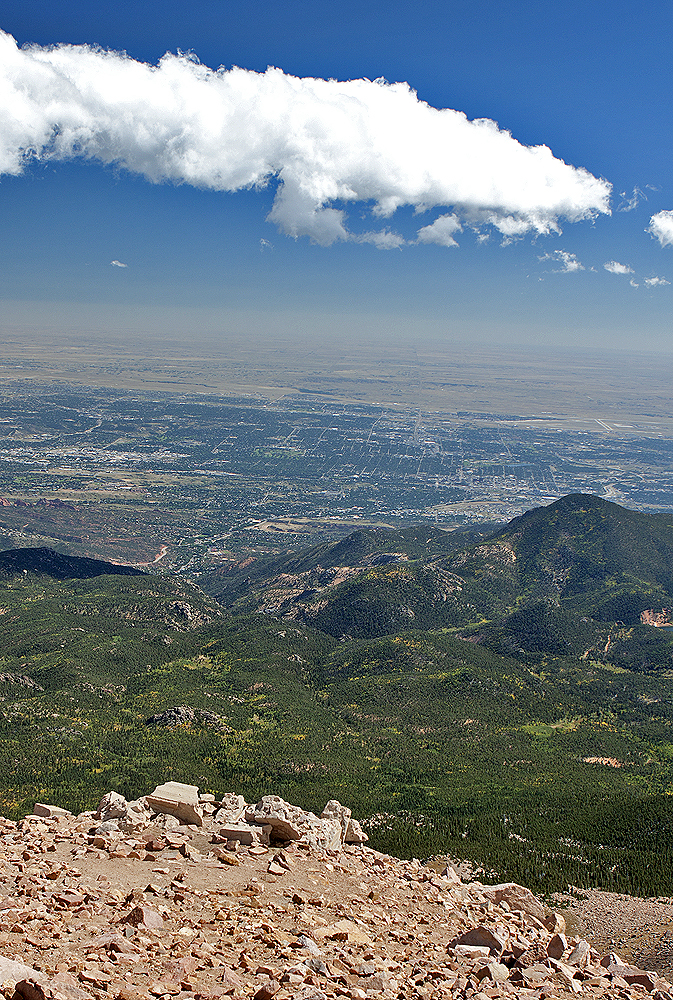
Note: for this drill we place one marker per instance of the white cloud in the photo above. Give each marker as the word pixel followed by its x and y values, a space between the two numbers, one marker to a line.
pixel 118 263
pixel 661 227
pixel 568 261
pixel 441 231
pixel 628 204
pixel 614 267
pixel 324 143
pixel 656 281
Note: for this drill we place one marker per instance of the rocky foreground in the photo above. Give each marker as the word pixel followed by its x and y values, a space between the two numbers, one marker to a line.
pixel 179 895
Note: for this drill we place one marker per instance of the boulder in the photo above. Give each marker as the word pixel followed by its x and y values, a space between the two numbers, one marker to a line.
pixel 450 874
pixel 336 813
pixel 136 817
pixel 355 834
pixel 249 836
pixel 232 807
pixel 579 956
pixel 111 806
pixel 287 822
pixel 12 972
pixel 612 958
pixel 555 923
pixel 326 834
pixel 178 800
pixel 482 937
pixel 144 916
pixel 517 897
pixel 648 980
pixel 494 971
pixel 116 814
pixel 472 951
pixel 557 946
pixel 49 812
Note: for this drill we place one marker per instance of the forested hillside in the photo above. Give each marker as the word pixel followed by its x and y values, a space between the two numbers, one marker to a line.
pixel 466 698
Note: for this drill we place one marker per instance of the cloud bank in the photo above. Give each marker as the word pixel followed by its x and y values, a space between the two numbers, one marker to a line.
pixel 661 227
pixel 322 143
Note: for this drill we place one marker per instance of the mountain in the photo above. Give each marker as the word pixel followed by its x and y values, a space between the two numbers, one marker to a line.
pixel 594 556
pixel 47 562
pixel 580 561
pixel 464 693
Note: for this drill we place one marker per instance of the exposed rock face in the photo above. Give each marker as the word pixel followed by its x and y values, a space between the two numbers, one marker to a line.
pixel 184 715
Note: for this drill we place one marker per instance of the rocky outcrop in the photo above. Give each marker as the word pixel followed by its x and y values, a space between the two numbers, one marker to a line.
pixel 229 818
pixel 201 912
pixel 288 822
pixel 116 814
pixel 184 715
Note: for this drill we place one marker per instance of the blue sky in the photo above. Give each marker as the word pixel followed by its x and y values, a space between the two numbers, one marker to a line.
pixel 590 81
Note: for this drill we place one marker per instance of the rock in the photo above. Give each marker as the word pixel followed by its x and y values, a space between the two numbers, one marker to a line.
pixel 109 826
pixel 323 833
pixel 116 814
pixel 337 813
pixel 472 951
pixel 311 947
pixel 517 897
pixel 50 812
pixel 557 946
pixel 555 923
pixel 648 980
pixel 612 958
pixel 231 808
pixel 136 817
pixel 355 834
pixel 111 806
pixel 342 930
pixel 143 916
pixel 12 972
pixel 579 956
pixel 244 834
pixel 534 975
pixel 179 715
pixel 483 937
pixel 267 990
pixel 450 873
pixel 494 971
pixel 178 800
pixel 287 822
